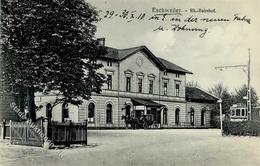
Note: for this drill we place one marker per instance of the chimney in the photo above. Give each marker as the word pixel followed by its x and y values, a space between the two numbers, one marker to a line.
pixel 101 41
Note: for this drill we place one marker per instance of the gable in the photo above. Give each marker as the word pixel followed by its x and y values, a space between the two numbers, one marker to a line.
pixel 162 64
pixel 140 62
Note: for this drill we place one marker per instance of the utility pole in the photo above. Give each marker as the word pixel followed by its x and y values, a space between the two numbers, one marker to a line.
pixel 248 88
pixel 221 116
pixel 248 103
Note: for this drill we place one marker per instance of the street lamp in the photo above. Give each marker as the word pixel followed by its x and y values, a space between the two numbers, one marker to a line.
pixel 220 110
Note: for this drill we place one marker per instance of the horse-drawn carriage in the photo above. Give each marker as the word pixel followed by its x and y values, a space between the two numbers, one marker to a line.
pixel 143 121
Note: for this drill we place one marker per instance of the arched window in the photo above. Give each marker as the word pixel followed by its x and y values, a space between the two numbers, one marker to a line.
pixel 177 116
pixel 109 113
pixel 202 117
pixel 91 112
pixel 192 116
pixel 48 111
pixel 65 111
pixel 165 115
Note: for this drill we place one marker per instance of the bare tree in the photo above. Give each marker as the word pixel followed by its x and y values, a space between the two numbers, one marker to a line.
pixel 194 84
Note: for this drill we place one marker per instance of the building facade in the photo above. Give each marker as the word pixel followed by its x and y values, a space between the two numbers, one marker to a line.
pixel 138 83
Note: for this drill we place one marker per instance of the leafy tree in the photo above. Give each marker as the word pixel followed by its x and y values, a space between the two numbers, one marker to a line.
pixel 48 46
pixel 220 91
pixel 242 92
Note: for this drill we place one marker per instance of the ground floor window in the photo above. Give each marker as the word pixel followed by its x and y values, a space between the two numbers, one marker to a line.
pixel 177 116
pixel 202 117
pixel 48 111
pixel 109 113
pixel 165 115
pixel 192 116
pixel 65 111
pixel 91 112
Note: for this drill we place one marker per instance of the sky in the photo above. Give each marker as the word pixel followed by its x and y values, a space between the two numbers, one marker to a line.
pixel 225 43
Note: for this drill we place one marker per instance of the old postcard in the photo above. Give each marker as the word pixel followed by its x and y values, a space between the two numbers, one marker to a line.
pixel 130 82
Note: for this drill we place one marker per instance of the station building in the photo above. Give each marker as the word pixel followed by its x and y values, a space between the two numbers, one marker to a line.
pixel 138 82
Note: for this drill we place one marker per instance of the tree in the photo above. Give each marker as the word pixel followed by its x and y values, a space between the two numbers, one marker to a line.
pixel 220 91
pixel 242 92
pixel 48 46
pixel 194 84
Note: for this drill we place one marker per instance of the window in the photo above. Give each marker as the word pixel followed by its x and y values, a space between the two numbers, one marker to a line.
pixel 109 113
pixel 202 117
pixel 243 112
pixel 177 116
pixel 151 86
pixel 177 89
pixel 165 115
pixel 48 111
pixel 165 73
pixel 109 63
pixel 233 112
pixel 165 88
pixel 91 112
pixel 140 85
pixel 237 112
pixel 1 85
pixel 128 84
pixel 192 117
pixel 65 111
pixel 109 81
pixel 177 75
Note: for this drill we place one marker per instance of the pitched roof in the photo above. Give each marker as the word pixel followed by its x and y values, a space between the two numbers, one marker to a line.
pixel 120 54
pixel 198 95
pixel 173 67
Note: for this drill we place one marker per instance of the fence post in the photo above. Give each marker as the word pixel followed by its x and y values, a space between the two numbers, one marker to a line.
pixel 42 129
pixel 68 133
pixel 3 130
pixel 86 132
pixel 10 130
pixel 45 125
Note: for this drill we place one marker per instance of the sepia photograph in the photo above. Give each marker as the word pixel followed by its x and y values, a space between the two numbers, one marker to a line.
pixel 130 83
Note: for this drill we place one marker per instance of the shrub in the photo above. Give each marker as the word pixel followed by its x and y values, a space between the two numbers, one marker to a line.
pixel 215 122
pixel 249 128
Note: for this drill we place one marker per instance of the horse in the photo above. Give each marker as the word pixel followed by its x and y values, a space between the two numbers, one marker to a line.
pixel 134 122
pixel 137 122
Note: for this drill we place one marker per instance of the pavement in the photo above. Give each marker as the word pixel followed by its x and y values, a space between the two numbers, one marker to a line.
pixel 169 147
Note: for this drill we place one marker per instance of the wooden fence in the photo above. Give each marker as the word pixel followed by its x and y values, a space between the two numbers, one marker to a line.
pixel 67 133
pixel 24 133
